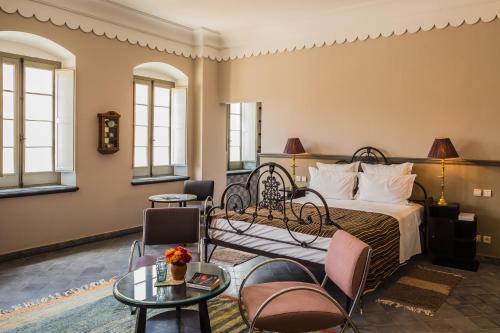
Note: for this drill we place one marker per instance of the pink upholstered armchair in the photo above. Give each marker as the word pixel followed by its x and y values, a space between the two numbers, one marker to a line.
pixel 290 306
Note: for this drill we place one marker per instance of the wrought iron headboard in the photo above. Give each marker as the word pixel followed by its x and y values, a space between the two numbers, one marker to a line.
pixel 270 201
pixel 372 155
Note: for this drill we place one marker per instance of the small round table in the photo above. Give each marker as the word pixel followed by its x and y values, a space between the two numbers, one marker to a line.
pixel 172 198
pixel 137 289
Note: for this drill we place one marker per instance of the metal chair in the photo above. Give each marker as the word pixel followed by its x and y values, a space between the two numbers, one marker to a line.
pixel 204 191
pixel 163 226
pixel 291 306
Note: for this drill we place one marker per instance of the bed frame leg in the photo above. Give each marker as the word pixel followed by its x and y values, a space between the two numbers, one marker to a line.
pixel 211 253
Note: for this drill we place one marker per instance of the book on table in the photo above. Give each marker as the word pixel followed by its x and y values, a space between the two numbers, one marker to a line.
pixel 203 281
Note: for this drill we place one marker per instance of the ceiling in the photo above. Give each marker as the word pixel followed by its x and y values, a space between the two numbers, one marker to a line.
pixel 228 15
pixel 229 29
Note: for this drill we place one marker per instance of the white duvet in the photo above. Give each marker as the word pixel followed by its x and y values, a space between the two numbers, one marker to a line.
pixel 409 217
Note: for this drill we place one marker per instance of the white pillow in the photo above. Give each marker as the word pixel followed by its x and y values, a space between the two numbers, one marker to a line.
pixel 385 188
pixel 391 169
pixel 351 167
pixel 333 185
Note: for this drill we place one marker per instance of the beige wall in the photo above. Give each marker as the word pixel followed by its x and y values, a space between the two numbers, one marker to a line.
pixel 106 201
pixel 396 93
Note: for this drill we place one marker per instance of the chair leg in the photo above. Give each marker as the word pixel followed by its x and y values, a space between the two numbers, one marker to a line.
pixel 132 310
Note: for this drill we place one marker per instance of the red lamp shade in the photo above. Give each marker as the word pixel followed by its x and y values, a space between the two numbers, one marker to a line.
pixel 294 146
pixel 442 149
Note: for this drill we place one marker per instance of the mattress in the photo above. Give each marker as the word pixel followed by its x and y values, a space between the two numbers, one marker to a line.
pixel 409 218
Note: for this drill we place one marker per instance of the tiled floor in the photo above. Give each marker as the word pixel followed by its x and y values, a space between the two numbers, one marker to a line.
pixel 474 305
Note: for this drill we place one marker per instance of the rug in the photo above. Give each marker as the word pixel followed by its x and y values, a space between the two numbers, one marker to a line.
pixel 230 257
pixel 421 290
pixel 94 309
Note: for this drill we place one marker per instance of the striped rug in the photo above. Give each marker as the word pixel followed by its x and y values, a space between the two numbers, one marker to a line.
pixel 421 290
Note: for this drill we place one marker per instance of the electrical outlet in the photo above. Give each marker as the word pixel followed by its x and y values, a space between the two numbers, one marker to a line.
pixel 478 238
pixel 304 179
pixel 487 239
pixel 477 192
pixel 487 193
pixel 298 178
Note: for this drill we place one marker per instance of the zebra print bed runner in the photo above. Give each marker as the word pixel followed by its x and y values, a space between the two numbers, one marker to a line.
pixel 379 231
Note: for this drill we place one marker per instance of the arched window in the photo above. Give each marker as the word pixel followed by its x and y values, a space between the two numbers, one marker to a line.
pixel 37 111
pixel 160 107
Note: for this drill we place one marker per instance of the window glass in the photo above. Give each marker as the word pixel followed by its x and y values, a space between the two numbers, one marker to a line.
pixel 234 154
pixel 38 80
pixel 39 107
pixel 161 156
pixel 162 116
pixel 162 96
pixel 8 160
pixel 141 94
pixel 38 159
pixel 38 134
pixel 8 80
pixel 141 115
pixel 141 156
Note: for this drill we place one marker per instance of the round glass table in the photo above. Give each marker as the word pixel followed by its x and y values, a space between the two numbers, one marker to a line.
pixel 181 199
pixel 137 289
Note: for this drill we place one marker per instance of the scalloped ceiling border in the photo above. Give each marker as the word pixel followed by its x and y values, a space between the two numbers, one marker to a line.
pixel 204 43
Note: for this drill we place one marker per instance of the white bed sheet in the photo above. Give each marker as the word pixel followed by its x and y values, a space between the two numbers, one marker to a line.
pixel 408 216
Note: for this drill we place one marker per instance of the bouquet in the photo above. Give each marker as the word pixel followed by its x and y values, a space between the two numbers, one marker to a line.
pixel 178 256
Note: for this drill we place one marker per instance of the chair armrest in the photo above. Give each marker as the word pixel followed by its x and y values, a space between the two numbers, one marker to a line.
pixel 267 262
pixel 135 244
pixel 322 293
pixel 205 204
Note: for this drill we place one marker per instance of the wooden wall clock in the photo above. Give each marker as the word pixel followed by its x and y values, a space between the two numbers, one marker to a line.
pixel 109 133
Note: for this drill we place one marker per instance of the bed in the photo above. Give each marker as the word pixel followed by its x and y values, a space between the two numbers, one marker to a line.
pixel 265 222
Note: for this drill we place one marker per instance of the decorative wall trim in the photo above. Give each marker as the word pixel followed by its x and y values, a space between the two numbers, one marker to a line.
pixel 66 244
pixel 490 163
pixel 359 22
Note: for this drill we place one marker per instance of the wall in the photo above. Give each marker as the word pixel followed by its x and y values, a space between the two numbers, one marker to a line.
pixel 395 93
pixel 106 200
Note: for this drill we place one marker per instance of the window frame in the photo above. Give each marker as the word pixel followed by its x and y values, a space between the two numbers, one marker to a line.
pixel 21 178
pixel 151 170
pixel 243 164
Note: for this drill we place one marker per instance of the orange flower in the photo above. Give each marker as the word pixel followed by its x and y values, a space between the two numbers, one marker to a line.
pixel 178 256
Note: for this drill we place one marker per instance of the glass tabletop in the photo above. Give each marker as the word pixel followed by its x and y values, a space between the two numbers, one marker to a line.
pixel 137 288
pixel 172 197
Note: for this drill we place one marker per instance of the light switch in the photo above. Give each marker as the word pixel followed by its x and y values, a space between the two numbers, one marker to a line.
pixel 487 193
pixel 477 192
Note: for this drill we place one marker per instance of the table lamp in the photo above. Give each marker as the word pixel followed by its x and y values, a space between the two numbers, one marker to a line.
pixel 442 149
pixel 293 147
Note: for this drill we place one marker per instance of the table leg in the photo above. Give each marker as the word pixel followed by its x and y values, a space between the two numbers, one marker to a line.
pixel 140 320
pixel 152 204
pixel 204 318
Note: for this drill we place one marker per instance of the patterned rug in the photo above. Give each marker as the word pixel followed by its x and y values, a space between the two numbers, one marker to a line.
pixel 421 290
pixel 94 309
pixel 230 257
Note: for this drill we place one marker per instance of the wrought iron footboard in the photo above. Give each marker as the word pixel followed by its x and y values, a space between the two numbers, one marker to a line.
pixel 270 201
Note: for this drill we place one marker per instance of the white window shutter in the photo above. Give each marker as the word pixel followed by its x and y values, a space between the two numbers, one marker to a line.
pixel 65 120
pixel 249 131
pixel 1 117
pixel 179 110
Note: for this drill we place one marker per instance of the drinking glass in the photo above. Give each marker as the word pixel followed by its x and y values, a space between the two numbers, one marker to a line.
pixel 161 269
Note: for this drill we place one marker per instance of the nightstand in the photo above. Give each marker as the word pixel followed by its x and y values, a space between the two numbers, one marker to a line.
pixel 450 241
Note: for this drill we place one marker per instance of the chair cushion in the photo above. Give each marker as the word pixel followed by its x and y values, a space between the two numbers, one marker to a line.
pixel 296 311
pixel 144 261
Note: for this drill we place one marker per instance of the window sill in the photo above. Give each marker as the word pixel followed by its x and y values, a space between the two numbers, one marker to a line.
pixel 36 190
pixel 238 172
pixel 159 179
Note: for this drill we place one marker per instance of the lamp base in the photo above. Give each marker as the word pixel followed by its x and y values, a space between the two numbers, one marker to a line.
pixel 442 202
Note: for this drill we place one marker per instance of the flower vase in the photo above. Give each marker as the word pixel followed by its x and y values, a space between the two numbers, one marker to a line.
pixel 178 271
